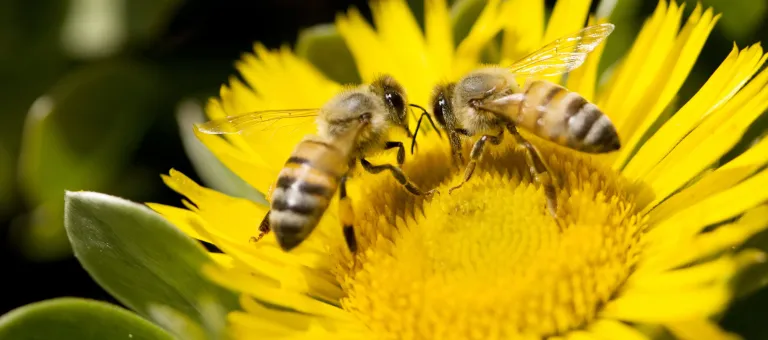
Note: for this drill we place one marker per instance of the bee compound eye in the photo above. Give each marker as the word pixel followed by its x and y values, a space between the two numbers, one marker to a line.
pixel 396 101
pixel 439 107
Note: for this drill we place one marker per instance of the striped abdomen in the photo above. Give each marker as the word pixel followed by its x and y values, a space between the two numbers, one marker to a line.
pixel 305 187
pixel 566 118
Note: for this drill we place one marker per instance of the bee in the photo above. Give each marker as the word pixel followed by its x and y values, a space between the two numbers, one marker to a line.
pixel 488 101
pixel 350 126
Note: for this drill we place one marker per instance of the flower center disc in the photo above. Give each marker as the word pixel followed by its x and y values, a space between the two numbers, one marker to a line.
pixel 488 261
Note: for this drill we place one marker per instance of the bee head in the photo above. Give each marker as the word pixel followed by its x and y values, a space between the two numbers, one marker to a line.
pixel 347 112
pixel 394 98
pixel 441 105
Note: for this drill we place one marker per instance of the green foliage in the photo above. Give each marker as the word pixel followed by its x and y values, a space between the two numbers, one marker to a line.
pixel 98 29
pixel 6 176
pixel 30 62
pixel 142 259
pixel 84 118
pixel 323 46
pixel 740 19
pixel 87 124
pixel 81 319
pixel 81 135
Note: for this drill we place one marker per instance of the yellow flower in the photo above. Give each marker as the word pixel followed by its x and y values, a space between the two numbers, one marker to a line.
pixel 654 231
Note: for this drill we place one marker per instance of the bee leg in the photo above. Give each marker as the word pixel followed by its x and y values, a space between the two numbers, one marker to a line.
pixel 263 229
pixel 418 124
pixel 399 176
pixel 458 156
pixel 539 171
pixel 347 216
pixel 400 151
pixel 456 147
pixel 474 156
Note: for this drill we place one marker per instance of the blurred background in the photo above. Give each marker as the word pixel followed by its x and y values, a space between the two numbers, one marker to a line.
pixel 100 95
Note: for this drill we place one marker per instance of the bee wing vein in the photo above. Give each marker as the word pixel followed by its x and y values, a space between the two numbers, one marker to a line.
pixel 563 55
pixel 267 119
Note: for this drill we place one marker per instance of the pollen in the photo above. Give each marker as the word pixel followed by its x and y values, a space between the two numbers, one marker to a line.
pixel 488 261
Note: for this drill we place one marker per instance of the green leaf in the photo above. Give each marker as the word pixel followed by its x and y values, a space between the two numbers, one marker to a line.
pixel 139 257
pixel 324 47
pixel 73 318
pixel 212 171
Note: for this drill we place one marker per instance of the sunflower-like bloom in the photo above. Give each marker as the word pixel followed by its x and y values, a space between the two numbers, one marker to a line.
pixel 652 243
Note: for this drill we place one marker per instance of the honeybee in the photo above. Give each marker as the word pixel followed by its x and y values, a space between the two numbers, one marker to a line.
pixel 487 101
pixel 350 126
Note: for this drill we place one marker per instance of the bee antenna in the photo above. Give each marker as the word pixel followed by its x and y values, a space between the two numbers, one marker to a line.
pixel 424 113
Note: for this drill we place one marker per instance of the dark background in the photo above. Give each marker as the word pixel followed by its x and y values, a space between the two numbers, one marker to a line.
pixel 199 44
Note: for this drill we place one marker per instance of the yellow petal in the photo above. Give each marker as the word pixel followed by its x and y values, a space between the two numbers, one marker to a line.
pixel 215 111
pixel 273 75
pixel 724 83
pixel 638 69
pixel 665 255
pixel 237 98
pixel 236 218
pixel 718 180
pixel 270 317
pixel 251 168
pixel 669 73
pixel 222 260
pixel 727 204
pixel 247 284
pixel 439 35
pixel 705 145
pixel 611 329
pixel 524 29
pixel 583 79
pixel 398 29
pixel 667 306
pixel 696 276
pixel 697 329
pixel 580 335
pixel 568 17
pixel 491 20
pixel 180 219
pixel 246 326
pixel 370 54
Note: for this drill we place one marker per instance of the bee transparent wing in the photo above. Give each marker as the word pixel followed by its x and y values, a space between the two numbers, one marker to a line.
pixel 258 120
pixel 563 55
